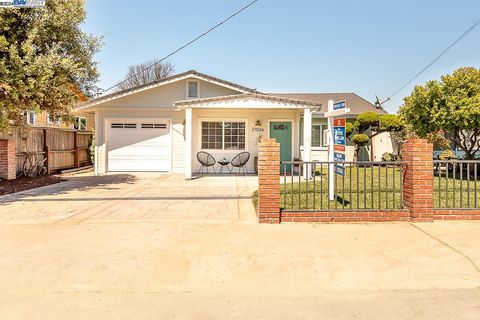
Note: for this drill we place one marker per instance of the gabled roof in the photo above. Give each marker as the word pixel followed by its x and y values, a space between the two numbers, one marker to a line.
pixel 154 84
pixel 356 103
pixel 244 96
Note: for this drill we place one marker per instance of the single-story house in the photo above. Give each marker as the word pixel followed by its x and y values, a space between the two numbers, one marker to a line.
pixel 161 126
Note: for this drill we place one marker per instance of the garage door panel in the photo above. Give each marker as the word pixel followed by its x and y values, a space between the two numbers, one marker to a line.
pixel 147 147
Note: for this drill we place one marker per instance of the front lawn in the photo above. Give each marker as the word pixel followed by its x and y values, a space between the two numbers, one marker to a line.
pixel 374 188
pixel 360 188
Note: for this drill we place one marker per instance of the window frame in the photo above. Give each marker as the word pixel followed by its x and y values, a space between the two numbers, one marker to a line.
pixel 187 89
pixel 77 121
pixel 57 122
pixel 323 143
pixel 222 121
pixel 28 114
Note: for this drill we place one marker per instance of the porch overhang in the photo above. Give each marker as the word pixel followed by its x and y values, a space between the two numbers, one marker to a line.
pixel 247 101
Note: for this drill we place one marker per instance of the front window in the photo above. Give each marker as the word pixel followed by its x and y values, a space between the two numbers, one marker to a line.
pixel 223 135
pixel 319 135
pixel 80 123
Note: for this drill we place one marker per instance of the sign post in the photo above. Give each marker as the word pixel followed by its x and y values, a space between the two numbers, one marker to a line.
pixel 337 141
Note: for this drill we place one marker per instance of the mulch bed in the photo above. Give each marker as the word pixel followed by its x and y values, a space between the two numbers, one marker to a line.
pixel 26 183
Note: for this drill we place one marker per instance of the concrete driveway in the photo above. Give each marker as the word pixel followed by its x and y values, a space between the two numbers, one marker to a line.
pixel 142 196
pixel 157 247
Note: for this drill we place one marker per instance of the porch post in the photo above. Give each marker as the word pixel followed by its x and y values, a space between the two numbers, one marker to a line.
pixel 188 143
pixel 307 141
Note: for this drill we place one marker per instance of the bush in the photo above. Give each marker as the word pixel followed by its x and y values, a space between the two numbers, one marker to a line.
pixel 360 139
pixel 91 150
pixel 366 120
pixel 447 155
pixel 390 122
pixel 387 156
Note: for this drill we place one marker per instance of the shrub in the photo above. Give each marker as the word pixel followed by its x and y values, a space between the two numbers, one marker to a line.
pixel 91 150
pixel 360 139
pixel 387 156
pixel 390 122
pixel 366 120
pixel 447 155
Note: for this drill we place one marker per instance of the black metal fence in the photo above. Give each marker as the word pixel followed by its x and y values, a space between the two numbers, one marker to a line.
pixel 456 184
pixel 358 186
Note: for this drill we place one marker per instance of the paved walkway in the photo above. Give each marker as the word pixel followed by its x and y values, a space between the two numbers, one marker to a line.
pixel 157 247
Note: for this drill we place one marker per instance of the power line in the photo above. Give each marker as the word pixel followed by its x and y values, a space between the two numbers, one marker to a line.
pixel 185 45
pixel 436 59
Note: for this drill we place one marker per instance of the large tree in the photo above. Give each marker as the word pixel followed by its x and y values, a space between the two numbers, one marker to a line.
pixel 45 60
pixel 146 72
pixel 450 106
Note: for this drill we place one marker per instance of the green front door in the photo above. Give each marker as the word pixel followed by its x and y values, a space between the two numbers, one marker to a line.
pixel 282 132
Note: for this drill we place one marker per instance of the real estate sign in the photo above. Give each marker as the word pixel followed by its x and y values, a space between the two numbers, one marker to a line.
pixel 339 105
pixel 339 140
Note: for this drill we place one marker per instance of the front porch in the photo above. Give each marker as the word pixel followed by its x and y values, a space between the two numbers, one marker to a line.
pixel 223 127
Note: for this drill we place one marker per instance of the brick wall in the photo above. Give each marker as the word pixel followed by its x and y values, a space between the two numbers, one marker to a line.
pixel 418 179
pixel 417 192
pixel 346 216
pixel 269 181
pixel 7 159
pixel 456 214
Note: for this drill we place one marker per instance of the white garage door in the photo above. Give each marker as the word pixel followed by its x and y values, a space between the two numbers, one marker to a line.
pixel 139 145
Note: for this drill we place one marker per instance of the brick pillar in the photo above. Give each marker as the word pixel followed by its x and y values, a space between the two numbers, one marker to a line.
pixel 8 158
pixel 269 181
pixel 418 181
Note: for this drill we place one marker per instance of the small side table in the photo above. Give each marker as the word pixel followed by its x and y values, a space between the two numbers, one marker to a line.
pixel 222 165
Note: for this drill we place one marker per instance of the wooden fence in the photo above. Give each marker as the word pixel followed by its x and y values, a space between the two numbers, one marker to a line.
pixel 62 148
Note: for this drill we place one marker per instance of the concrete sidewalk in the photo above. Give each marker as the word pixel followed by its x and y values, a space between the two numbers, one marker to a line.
pixel 124 252
pixel 147 270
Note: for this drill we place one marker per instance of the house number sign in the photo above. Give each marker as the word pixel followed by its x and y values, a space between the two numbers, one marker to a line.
pixel 258 129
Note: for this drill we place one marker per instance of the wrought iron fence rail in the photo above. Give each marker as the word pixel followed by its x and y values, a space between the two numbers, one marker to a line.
pixel 456 184
pixel 364 186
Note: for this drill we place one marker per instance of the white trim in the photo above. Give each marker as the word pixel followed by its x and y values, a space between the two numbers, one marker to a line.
pixel 28 113
pixel 188 143
pixel 246 103
pixel 199 132
pixel 56 123
pixel 106 125
pixel 77 120
pixel 97 125
pixel 292 121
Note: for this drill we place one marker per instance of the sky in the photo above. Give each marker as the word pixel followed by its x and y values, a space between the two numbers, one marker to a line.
pixel 368 47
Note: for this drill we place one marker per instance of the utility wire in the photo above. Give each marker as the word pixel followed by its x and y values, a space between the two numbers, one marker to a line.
pixel 185 45
pixel 436 59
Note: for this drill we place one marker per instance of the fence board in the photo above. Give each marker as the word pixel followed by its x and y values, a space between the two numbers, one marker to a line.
pixel 60 144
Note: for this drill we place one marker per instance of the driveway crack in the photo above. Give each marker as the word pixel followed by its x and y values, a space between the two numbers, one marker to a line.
pixel 448 246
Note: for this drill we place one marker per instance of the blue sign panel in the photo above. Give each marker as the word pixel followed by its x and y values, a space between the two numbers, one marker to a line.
pixel 339 135
pixel 340 169
pixel 338 157
pixel 339 105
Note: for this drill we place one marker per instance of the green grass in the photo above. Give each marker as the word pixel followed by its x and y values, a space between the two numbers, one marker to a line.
pixel 374 188
pixel 450 193
pixel 360 188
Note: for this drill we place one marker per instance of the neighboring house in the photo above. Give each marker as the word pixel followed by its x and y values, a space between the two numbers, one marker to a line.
pixel 82 120
pixel 162 125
